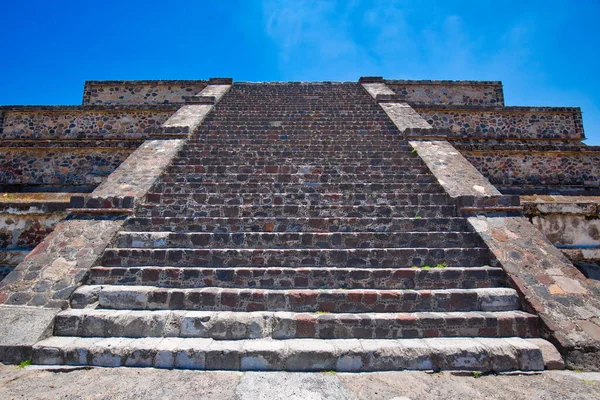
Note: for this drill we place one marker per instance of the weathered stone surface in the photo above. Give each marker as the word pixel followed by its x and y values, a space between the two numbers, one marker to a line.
pixel 466 186
pixel 140 92
pixel 20 328
pixel 297 354
pixel 404 117
pixel 135 176
pixel 476 93
pixel 187 119
pixel 549 284
pixel 505 122
pixel 81 123
pixel 54 269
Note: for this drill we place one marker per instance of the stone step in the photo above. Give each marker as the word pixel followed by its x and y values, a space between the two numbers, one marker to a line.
pixel 299 188
pixel 233 225
pixel 321 211
pixel 300 199
pixel 300 178
pixel 124 297
pixel 344 355
pixel 398 149
pixel 296 240
pixel 287 153
pixel 363 258
pixel 432 277
pixel 222 325
pixel 191 159
pixel 249 128
pixel 297 169
pixel 206 136
pixel 295 140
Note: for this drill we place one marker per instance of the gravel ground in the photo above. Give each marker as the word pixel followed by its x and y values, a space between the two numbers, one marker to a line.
pixel 148 383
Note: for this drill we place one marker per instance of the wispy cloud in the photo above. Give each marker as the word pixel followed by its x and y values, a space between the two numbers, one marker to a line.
pixel 316 35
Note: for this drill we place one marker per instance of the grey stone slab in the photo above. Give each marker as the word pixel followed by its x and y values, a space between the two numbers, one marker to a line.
pixel 377 88
pixel 404 117
pixel 20 328
pixel 135 176
pixel 457 176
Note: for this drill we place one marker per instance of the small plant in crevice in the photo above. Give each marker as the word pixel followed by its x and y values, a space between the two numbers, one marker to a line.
pixel 477 374
pixel 441 265
pixel 24 364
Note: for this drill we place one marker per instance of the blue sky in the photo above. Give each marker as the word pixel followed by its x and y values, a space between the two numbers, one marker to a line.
pixel 545 52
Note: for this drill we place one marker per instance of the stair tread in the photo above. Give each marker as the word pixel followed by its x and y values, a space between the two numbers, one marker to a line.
pixel 481 354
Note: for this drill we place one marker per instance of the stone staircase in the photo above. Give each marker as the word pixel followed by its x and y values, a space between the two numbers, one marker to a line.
pixel 296 230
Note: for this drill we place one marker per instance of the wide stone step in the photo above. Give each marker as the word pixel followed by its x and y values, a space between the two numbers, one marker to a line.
pixel 299 178
pixel 299 147
pixel 331 211
pixel 430 277
pixel 297 240
pixel 298 188
pixel 206 136
pixel 289 325
pixel 299 129
pixel 368 258
pixel 234 225
pixel 287 153
pixel 275 198
pixel 351 355
pixel 305 300
pixel 297 168
pixel 191 159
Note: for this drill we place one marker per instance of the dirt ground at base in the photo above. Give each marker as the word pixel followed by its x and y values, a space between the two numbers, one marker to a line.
pixel 149 383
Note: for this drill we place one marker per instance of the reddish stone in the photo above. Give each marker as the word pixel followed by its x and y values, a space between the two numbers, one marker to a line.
pixel 369 298
pixel 150 275
pixel 229 299
pixel 305 326
pixel 255 307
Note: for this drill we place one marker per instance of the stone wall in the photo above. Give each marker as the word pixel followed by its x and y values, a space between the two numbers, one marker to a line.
pixel 25 219
pixel 24 225
pixel 58 167
pixel 506 122
pixel 71 148
pixel 140 92
pixel 505 167
pixel 449 92
pixel 79 123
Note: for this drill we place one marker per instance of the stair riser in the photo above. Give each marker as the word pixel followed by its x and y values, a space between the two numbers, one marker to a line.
pixel 301 150
pixel 234 225
pixel 297 169
pixel 367 258
pixel 307 179
pixel 296 240
pixel 317 163
pixel 269 188
pixel 269 153
pixel 297 211
pixel 300 139
pixel 214 299
pixel 259 325
pixel 316 199
pixel 288 278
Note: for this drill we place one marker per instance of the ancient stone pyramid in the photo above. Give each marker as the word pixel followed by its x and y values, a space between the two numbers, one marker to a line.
pixel 293 226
